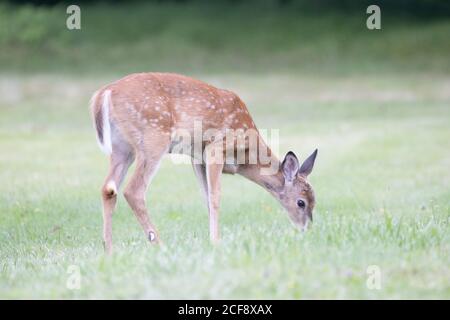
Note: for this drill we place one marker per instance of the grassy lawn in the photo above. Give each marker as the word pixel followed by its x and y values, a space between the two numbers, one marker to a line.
pixel 381 178
pixel 375 103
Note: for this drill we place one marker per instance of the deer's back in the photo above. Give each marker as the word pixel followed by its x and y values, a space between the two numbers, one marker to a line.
pixel 167 102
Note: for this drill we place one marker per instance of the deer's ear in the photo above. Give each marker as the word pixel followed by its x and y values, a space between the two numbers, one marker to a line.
pixel 290 166
pixel 308 165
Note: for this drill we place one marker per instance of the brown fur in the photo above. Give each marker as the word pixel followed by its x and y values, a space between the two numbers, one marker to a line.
pixel 144 112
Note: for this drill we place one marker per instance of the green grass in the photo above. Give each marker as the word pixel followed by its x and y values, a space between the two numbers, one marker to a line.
pixel 381 178
pixel 375 103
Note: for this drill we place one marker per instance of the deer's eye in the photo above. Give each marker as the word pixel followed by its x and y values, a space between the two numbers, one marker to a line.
pixel 300 203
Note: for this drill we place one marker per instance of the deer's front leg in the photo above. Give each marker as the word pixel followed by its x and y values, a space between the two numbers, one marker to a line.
pixel 213 174
pixel 200 173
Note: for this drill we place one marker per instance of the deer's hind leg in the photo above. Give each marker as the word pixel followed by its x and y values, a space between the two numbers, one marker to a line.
pixel 147 163
pixel 121 159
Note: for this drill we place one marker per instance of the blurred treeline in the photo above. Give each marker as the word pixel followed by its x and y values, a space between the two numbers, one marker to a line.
pixel 224 36
pixel 415 7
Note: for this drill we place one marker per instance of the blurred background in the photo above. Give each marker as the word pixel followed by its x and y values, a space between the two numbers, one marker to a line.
pixel 225 36
pixel 375 102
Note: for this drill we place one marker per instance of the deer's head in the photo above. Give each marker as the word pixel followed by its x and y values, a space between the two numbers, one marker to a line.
pixel 296 194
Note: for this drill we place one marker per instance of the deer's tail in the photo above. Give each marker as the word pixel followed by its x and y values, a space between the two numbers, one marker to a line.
pixel 100 106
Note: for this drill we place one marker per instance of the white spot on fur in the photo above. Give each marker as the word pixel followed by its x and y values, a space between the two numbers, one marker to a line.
pixel 111 187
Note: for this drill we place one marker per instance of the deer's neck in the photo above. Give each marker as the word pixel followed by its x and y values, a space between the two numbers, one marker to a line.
pixel 267 176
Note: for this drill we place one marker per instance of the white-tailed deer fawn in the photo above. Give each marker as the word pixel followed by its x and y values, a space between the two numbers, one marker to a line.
pixel 139 118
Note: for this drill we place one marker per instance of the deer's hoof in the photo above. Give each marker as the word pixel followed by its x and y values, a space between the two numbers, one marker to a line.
pixel 151 236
